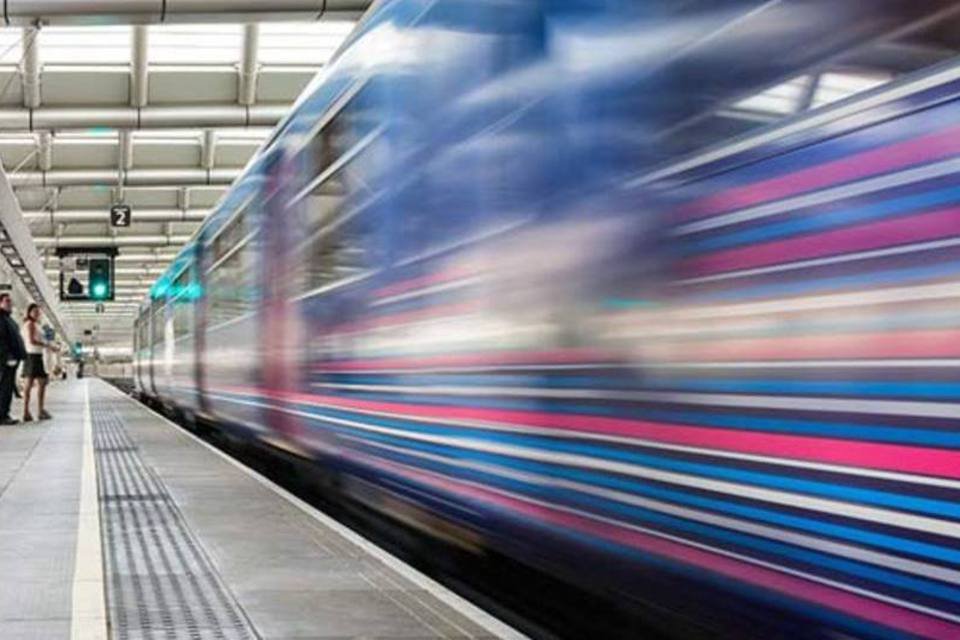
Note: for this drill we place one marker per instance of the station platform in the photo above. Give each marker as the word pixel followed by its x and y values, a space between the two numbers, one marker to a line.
pixel 115 523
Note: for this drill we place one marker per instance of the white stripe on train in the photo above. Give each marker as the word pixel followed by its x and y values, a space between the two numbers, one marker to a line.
pixel 886 517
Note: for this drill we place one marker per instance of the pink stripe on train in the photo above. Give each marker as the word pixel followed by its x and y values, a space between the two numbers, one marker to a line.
pixel 428 280
pixel 872 455
pixel 889 233
pixel 927 148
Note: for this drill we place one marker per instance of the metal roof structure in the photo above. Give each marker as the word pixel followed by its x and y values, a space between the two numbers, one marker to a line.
pixel 161 117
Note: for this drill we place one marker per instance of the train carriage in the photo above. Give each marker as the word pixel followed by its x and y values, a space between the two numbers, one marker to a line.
pixel 525 303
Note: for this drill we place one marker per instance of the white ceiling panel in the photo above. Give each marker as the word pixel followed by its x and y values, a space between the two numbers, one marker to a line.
pixel 234 154
pixel 283 85
pixel 151 197
pixel 62 86
pixel 32 198
pixel 166 153
pixel 11 91
pixel 75 154
pixel 11 45
pixel 206 196
pixel 80 198
pixel 183 85
pixel 301 43
pixel 85 45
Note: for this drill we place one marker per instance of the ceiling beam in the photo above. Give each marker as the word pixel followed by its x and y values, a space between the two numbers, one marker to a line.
pixel 220 116
pixel 30 72
pixel 125 150
pixel 139 69
pixel 45 151
pixel 102 216
pixel 27 12
pixel 122 276
pixel 209 150
pixel 172 178
pixel 249 65
pixel 154 256
pixel 108 241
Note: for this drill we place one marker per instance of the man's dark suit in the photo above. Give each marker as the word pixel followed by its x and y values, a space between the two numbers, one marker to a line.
pixel 11 350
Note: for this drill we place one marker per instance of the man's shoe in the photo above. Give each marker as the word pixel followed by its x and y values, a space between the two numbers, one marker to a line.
pixel 44 416
pixel 8 421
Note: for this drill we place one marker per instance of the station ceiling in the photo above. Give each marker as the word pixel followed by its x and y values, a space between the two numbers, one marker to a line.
pixel 197 101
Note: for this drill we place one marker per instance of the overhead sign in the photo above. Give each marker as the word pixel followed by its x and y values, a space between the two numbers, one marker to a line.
pixel 120 215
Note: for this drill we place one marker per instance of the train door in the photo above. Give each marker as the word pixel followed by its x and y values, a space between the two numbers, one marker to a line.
pixel 281 336
pixel 155 316
pixel 136 355
pixel 169 349
pixel 198 373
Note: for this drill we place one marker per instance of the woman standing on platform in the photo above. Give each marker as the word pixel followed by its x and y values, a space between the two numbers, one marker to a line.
pixel 33 368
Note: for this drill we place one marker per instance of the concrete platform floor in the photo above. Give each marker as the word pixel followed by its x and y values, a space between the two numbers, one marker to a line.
pixel 178 539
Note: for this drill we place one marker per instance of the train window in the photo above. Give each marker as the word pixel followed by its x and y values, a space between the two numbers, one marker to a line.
pixel 144 330
pixel 339 250
pixel 182 306
pixel 335 138
pixel 157 314
pixel 231 285
pixel 231 235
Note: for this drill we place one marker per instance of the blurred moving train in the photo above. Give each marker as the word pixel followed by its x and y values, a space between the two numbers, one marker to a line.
pixel 487 276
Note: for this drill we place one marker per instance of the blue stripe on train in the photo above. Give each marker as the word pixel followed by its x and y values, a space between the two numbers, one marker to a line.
pixel 842 531
pixel 907 205
pixel 770 161
pixel 612 507
pixel 874 278
pixel 827 489
pixel 907 435
pixel 858 388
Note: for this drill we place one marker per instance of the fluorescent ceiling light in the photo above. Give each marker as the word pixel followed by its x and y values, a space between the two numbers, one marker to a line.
pixel 785 98
pixel 18 137
pixel 781 99
pixel 835 86
pixel 99 133
pixel 167 134
pixel 301 43
pixel 85 45
pixel 192 44
pixel 10 45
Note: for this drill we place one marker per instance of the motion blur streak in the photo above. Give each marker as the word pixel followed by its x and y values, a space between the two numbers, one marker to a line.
pixel 539 272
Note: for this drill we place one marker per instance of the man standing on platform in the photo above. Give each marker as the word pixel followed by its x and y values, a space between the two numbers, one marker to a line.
pixel 12 352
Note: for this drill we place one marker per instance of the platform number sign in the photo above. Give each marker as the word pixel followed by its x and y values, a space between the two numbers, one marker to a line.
pixel 120 215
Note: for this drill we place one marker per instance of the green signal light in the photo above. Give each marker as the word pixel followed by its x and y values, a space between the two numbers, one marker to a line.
pixel 101 286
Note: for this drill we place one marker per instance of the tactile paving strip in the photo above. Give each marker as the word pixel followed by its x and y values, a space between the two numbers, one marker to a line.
pixel 160 583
